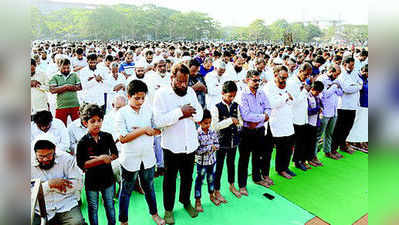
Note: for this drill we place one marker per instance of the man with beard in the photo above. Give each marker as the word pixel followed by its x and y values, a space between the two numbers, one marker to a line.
pixel 351 84
pixel 330 102
pixel 197 82
pixel 255 110
pixel 176 109
pixel 79 62
pixel 281 128
pixel 93 79
pixel 139 72
pixel 298 87
pixel 215 81
pixel 60 178
pixel 238 74
pixel 66 85
pixel 148 63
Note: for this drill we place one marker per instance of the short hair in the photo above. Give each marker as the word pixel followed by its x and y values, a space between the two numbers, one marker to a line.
pixel 43 118
pixel 348 59
pixel 180 67
pixel 320 59
pixel 364 53
pixel 92 57
pixel 44 144
pixel 109 58
pixel 64 62
pixel 337 58
pixel 229 86
pixel 252 73
pixel 226 53
pixel 90 111
pixel 33 62
pixel 194 62
pixel 281 67
pixel 305 66
pixel 79 51
pixel 201 49
pixel 217 53
pixel 136 86
pixel 318 86
pixel 149 52
pixel 206 115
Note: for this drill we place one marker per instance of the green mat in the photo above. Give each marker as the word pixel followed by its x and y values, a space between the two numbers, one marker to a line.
pixel 252 210
pixel 336 192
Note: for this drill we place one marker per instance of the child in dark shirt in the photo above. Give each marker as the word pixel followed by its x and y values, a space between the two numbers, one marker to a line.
pixel 95 152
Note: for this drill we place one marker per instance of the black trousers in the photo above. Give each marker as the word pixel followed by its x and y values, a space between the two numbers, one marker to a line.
pixel 344 124
pixel 283 152
pixel 300 142
pixel 220 156
pixel 252 141
pixel 184 164
pixel 311 142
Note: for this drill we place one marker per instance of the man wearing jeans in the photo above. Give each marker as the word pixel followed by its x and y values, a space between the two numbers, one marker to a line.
pixel 330 102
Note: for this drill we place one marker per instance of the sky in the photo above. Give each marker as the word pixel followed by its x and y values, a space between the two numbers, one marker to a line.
pixel 242 13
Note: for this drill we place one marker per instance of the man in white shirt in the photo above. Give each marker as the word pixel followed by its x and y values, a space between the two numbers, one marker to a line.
pixel 79 62
pixel 351 84
pixel 299 89
pixel 61 179
pixel 238 74
pixel 76 131
pixel 43 122
pixel 39 89
pixel 93 79
pixel 215 81
pixel 281 121
pixel 176 109
pixel 115 84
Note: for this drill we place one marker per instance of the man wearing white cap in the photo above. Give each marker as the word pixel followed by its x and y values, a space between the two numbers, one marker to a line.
pixel 215 81
pixel 61 179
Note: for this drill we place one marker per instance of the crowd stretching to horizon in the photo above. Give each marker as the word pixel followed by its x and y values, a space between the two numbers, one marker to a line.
pixel 110 117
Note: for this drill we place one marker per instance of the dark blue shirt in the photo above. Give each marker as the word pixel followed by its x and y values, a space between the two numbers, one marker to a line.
pixel 364 93
pixel 204 71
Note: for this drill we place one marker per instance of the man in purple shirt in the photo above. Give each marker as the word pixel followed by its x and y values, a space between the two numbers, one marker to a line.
pixel 255 110
pixel 330 102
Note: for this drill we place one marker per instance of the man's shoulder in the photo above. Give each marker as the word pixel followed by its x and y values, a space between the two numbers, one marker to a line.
pixel 64 157
pixel 58 123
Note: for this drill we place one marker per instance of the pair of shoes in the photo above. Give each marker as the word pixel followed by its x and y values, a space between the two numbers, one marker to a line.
pixel 331 156
pixel 169 218
pixel 191 211
pixel 300 166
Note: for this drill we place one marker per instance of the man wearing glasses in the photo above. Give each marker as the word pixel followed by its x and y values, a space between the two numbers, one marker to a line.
pixel 255 110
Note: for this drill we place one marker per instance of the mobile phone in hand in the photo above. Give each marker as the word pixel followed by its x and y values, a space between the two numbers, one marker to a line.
pixel 269 196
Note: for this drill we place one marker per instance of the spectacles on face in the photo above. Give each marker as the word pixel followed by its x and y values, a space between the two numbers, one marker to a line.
pixel 256 80
pixel 47 156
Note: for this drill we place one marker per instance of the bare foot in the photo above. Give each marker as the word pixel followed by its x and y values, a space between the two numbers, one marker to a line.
pixel 268 180
pixel 198 206
pixel 235 191
pixel 124 223
pixel 215 200
pixel 243 191
pixel 158 220
pixel 285 174
pixel 263 183
pixel 219 197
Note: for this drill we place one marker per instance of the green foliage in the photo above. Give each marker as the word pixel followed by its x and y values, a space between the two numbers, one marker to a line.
pixel 150 22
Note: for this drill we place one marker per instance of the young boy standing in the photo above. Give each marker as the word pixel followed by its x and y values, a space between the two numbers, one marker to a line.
pixel 134 122
pixel 95 152
pixel 225 121
pixel 314 109
pixel 206 160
